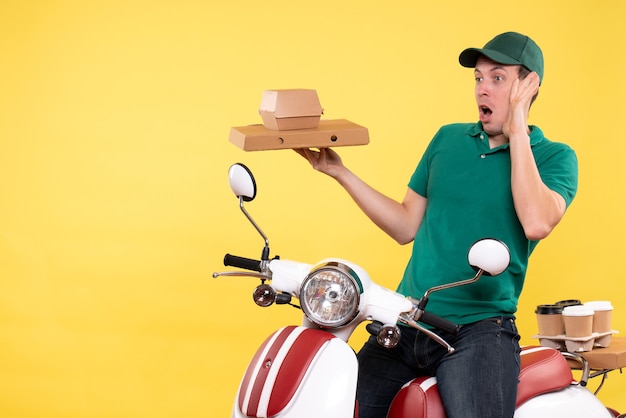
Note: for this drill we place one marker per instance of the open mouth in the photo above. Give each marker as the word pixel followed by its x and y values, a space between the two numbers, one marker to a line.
pixel 484 113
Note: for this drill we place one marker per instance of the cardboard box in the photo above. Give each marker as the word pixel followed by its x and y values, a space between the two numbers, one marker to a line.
pixel 290 109
pixel 608 358
pixel 329 133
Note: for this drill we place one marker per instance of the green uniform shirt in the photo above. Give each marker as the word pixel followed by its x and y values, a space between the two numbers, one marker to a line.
pixel 468 187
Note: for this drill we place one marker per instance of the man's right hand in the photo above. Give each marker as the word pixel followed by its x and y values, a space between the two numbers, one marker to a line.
pixel 325 160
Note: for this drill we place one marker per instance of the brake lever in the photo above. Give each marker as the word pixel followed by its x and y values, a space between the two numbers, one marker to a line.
pixel 407 319
pixel 263 276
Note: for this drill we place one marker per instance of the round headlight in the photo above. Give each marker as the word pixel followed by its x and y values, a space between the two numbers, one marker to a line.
pixel 330 295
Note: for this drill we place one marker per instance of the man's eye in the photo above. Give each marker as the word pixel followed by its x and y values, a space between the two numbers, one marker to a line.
pixel 478 79
pixel 498 78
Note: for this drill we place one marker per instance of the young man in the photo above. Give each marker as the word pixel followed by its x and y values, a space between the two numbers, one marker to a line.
pixel 497 178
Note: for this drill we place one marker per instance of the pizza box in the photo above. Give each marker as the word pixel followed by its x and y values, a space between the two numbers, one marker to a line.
pixel 329 133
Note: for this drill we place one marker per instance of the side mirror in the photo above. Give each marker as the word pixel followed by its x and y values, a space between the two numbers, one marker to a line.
pixel 490 255
pixel 487 256
pixel 243 186
pixel 242 182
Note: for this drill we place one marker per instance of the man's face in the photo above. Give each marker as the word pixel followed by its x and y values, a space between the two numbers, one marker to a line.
pixel 492 91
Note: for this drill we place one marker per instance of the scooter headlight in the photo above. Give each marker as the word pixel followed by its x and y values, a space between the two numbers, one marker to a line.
pixel 330 295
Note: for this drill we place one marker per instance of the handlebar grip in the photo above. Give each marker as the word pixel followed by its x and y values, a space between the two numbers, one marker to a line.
pixel 439 322
pixel 242 262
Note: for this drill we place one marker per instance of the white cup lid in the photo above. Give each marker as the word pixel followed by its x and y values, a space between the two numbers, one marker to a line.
pixel 578 310
pixel 599 305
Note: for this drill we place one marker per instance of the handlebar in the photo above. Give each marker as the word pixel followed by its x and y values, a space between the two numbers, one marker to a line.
pixel 439 322
pixel 425 317
pixel 242 262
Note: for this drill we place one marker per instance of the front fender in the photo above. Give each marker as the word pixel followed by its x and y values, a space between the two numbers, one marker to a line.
pixel 299 372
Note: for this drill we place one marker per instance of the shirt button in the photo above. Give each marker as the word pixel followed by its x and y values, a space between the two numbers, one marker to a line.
pixel 482 155
pixel 481 136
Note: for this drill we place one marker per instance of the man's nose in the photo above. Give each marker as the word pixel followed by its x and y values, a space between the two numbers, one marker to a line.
pixel 482 89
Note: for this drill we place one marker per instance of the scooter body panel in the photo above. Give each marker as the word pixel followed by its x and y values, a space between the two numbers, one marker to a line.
pixel 305 372
pixel 574 401
pixel 299 372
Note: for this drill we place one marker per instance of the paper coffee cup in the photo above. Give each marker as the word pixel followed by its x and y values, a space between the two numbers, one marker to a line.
pixel 578 320
pixel 603 312
pixel 549 320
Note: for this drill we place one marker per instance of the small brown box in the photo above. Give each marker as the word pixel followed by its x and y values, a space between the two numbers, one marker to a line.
pixel 284 110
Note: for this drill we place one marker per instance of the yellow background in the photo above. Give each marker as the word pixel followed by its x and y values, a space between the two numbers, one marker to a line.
pixel 114 204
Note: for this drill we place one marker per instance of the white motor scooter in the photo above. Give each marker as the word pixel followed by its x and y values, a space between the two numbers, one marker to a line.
pixel 310 370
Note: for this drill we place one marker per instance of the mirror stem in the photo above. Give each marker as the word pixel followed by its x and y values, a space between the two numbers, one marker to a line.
pixel 265 255
pixel 266 249
pixel 453 284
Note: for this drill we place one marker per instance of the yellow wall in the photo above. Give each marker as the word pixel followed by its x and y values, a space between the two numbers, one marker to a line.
pixel 114 206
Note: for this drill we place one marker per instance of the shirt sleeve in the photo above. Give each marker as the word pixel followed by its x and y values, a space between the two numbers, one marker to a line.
pixel 419 180
pixel 559 171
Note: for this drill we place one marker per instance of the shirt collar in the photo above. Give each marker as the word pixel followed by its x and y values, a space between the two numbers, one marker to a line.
pixel 536 134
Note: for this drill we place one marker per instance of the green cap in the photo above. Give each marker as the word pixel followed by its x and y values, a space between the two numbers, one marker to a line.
pixel 509 48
